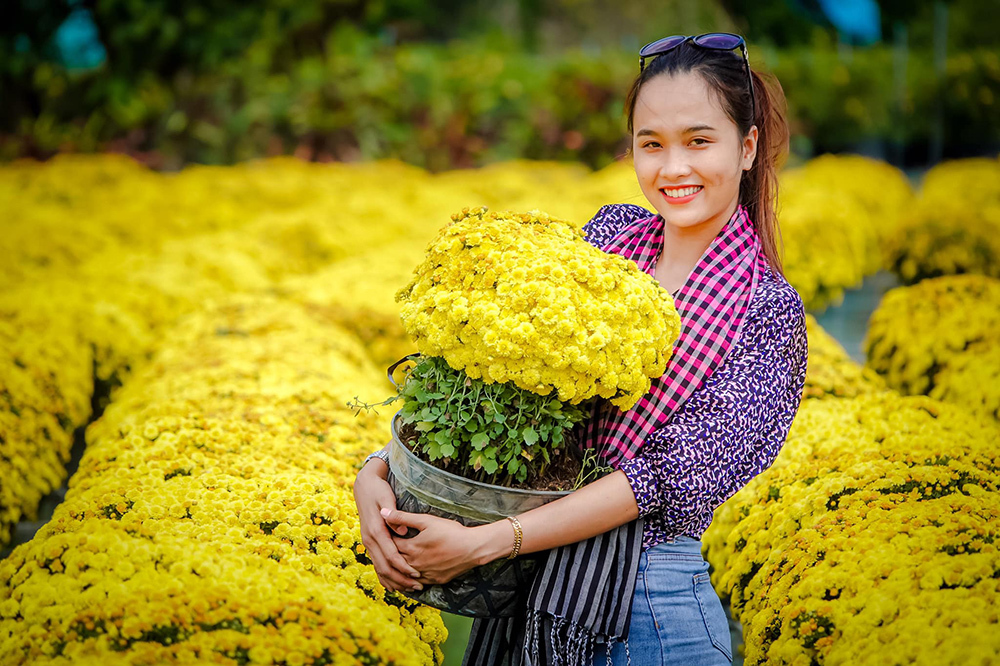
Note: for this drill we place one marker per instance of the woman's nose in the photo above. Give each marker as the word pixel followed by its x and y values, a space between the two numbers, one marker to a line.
pixel 674 165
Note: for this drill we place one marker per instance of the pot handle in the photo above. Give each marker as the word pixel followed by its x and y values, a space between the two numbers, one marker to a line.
pixel 392 368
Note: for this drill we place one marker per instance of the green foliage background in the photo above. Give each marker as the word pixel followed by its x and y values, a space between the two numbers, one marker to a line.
pixel 452 84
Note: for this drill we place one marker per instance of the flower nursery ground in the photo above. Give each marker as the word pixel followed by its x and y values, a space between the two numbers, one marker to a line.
pixel 846 322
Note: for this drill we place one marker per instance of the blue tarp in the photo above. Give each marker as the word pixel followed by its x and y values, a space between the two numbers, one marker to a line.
pixel 858 19
pixel 78 42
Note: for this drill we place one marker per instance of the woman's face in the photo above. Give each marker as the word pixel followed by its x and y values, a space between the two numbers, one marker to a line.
pixel 688 154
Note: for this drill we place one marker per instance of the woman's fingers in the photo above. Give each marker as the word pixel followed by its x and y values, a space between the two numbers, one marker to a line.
pixel 371 492
pixel 391 567
pixel 382 528
pixel 391 553
pixel 396 518
pixel 379 563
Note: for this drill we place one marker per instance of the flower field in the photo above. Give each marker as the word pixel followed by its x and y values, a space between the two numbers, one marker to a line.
pixel 207 329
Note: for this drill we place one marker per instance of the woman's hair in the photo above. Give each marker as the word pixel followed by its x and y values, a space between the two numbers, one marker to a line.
pixel 725 73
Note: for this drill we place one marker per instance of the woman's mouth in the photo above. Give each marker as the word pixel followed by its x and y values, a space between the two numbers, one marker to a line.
pixel 680 195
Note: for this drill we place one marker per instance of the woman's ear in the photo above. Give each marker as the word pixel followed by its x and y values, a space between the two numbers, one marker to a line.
pixel 749 149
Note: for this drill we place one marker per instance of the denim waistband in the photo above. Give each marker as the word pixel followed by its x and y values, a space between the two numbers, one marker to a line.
pixel 680 544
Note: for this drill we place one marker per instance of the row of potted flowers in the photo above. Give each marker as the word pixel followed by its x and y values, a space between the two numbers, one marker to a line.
pixel 211 519
pixel 872 537
pixel 941 337
pixel 101 255
pixel 944 234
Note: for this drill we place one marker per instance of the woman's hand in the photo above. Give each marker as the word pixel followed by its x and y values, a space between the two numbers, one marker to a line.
pixel 445 548
pixel 372 494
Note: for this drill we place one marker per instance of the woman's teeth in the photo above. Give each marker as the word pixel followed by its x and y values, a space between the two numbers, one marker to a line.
pixel 677 194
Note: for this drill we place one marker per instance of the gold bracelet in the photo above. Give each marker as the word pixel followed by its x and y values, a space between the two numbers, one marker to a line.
pixel 517 537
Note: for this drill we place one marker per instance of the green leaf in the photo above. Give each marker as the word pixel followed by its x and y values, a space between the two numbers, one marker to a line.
pixel 480 440
pixel 530 436
pixel 424 426
pixel 432 450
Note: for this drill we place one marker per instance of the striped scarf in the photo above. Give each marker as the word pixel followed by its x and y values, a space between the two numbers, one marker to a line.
pixel 582 593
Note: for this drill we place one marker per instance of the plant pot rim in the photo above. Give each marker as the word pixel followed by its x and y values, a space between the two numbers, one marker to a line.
pixel 464 480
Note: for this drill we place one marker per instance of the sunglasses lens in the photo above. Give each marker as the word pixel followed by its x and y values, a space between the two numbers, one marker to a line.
pixel 719 40
pixel 661 45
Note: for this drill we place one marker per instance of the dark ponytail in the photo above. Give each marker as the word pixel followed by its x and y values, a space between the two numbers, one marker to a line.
pixel 725 73
pixel 759 186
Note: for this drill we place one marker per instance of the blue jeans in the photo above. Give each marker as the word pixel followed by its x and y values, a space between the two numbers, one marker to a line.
pixel 677 616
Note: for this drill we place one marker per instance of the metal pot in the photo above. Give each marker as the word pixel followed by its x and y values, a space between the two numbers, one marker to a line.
pixel 497 589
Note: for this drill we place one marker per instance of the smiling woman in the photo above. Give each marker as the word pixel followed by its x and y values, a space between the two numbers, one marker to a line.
pixel 706 135
pixel 689 158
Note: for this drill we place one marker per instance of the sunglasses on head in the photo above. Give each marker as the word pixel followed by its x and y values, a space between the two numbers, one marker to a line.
pixel 718 41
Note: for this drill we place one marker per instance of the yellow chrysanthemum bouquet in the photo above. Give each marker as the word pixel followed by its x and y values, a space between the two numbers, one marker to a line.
pixel 520 322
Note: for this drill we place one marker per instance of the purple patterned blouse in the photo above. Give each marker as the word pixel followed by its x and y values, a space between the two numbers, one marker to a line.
pixel 732 427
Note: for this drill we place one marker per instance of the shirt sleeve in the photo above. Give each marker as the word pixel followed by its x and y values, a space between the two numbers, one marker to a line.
pixel 611 219
pixel 733 427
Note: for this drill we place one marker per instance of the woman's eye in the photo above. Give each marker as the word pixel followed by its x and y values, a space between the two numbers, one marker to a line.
pixel 699 141
pixel 650 143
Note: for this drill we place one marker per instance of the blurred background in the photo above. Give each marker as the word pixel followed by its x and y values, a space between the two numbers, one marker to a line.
pixel 462 83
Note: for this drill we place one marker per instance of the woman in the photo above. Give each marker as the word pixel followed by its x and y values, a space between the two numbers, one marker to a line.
pixel 624 579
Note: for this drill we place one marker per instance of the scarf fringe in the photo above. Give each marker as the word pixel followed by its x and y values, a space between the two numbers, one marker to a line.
pixel 568 643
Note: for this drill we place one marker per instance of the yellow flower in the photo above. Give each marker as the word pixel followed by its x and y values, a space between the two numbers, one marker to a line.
pixel 545 285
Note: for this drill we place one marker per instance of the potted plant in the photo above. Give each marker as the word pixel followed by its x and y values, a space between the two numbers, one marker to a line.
pixel 520 324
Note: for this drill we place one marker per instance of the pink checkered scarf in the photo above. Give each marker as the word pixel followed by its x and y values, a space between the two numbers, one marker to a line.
pixel 712 304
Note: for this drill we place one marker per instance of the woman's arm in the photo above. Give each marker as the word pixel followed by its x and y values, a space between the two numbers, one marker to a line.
pixel 445 549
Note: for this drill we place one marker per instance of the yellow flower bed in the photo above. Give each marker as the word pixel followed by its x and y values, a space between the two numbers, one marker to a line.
pixel 831 372
pixel 835 215
pixel 67 336
pixel 872 539
pixel 212 519
pixel 45 388
pixel 940 337
pixel 522 297
pixel 880 190
pixel 358 294
pixel 954 226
